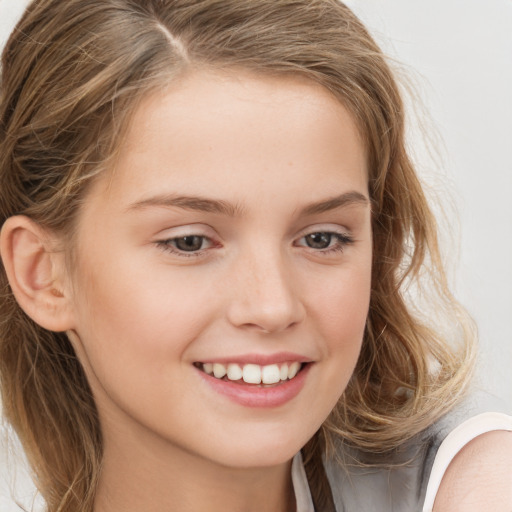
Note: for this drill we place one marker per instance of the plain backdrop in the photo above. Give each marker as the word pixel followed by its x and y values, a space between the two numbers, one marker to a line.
pixel 458 56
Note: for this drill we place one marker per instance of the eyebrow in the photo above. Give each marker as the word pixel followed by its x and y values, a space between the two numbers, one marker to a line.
pixel 204 204
pixel 194 203
pixel 346 199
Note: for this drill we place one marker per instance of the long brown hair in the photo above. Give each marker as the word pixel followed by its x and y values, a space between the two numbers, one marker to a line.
pixel 72 74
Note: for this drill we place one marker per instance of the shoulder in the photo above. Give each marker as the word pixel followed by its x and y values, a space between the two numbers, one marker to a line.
pixel 466 445
pixel 479 478
pixel 471 467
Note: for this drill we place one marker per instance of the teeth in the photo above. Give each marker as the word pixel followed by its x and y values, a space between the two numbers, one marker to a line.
pixel 253 373
pixel 219 370
pixel 293 370
pixel 270 374
pixel 234 372
pixel 284 372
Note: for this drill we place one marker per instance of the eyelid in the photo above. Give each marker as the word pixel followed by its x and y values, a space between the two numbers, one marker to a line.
pixel 164 238
pixel 342 236
pixel 197 229
pixel 325 228
pixel 167 246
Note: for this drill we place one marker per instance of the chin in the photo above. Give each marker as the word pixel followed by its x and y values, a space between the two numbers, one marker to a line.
pixel 260 451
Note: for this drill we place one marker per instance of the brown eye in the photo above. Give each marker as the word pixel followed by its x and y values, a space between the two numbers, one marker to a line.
pixel 187 246
pixel 325 243
pixel 318 240
pixel 189 243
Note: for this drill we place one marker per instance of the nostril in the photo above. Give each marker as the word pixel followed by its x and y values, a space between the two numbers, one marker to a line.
pixel 260 329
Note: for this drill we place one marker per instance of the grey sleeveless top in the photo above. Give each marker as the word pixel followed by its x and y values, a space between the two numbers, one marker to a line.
pixel 398 489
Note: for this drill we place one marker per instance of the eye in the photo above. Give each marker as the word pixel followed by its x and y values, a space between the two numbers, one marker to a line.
pixel 318 240
pixel 325 241
pixel 188 245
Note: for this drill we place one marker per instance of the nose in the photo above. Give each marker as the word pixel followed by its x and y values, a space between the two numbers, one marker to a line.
pixel 264 294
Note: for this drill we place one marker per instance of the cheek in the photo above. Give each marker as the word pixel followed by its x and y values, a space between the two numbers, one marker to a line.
pixel 340 314
pixel 341 308
pixel 134 335
pixel 131 322
pixel 130 293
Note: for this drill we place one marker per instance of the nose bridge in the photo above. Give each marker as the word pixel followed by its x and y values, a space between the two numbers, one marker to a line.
pixel 265 296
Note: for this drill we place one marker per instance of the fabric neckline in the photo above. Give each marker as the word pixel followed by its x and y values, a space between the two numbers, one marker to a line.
pixel 303 499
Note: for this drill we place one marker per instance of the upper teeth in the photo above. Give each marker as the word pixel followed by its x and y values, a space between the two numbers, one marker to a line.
pixel 253 373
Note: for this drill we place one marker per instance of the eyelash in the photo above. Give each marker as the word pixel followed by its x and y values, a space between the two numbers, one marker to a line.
pixel 342 241
pixel 166 245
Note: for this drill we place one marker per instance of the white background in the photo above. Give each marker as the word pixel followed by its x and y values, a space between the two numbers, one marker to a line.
pixel 459 55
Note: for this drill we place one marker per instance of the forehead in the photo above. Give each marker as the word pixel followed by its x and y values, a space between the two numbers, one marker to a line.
pixel 239 94
pixel 217 129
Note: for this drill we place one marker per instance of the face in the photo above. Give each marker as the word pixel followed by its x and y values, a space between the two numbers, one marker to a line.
pixel 233 236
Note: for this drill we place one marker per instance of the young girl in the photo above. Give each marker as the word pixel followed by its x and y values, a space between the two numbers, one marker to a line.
pixel 210 232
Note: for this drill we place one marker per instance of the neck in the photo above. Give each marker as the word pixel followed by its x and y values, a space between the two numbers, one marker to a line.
pixel 152 475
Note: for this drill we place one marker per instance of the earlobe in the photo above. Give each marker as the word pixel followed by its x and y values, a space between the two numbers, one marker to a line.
pixel 36 273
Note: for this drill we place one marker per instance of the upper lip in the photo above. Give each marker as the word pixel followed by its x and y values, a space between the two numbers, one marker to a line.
pixel 260 359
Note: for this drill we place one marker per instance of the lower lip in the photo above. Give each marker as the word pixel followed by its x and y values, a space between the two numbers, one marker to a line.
pixel 255 396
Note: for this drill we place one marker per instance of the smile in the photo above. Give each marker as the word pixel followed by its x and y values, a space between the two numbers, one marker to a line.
pixel 256 380
pixel 252 373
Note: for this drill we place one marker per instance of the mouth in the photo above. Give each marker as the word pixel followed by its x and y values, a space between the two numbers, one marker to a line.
pixel 257 381
pixel 269 375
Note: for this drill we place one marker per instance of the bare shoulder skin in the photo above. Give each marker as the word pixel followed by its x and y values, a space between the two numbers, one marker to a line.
pixel 479 478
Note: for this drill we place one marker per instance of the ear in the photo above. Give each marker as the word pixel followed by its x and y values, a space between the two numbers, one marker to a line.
pixel 36 273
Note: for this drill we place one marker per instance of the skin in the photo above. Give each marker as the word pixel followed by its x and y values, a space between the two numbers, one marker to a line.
pixel 143 312
pixel 479 476
pixel 140 313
